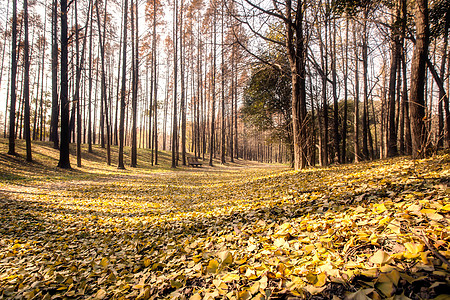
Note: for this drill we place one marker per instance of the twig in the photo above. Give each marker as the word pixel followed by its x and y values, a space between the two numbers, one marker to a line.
pixel 433 249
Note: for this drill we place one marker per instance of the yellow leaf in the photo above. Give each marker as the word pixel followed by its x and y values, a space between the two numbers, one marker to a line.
pixel 381 208
pixel 373 272
pixel 424 258
pixel 147 262
pixel 311 277
pixel 387 288
pixel 427 211
pixel 101 294
pixel 251 247
pixel 313 290
pixel 230 277
pixel 279 242
pixel 196 296
pixel 414 248
pixel 104 263
pixel 220 284
pixel 384 220
pixel 309 248
pixel 213 265
pixel 254 288
pixel 394 276
pixel 435 216
pixel 176 284
pixel 321 280
pixel 414 207
pixel 380 257
pixel 359 295
pixel 226 257
pixel 245 295
pixel 263 283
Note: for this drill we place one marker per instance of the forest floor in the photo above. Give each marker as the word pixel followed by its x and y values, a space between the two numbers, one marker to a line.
pixel 373 230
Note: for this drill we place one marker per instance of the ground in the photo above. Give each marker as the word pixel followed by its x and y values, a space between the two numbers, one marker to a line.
pixel 243 230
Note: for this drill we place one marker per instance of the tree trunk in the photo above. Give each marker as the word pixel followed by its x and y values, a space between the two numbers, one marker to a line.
pixel 356 114
pixel 90 85
pixel 337 154
pixel 80 63
pixel 26 92
pixel 418 75
pixel 182 88
pixel 344 121
pixel 365 117
pixel 396 49
pixel 64 160
pixel 123 89
pixel 296 55
pixel 175 78
pixel 103 83
pixel 443 98
pixel 213 93
pixel 12 107
pixel 54 137
pixel 222 151
pixel 134 70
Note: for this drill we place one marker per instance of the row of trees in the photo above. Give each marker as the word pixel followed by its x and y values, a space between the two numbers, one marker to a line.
pixel 115 83
pixel 329 81
pixel 344 72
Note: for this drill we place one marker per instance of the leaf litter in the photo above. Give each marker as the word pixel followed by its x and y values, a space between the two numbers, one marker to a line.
pixel 376 230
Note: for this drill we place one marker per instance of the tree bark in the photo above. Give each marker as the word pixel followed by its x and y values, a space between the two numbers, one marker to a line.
pixel 54 137
pixel 418 75
pixel 123 88
pixel 175 78
pixel 64 160
pixel 396 49
pixel 135 56
pixel 26 92
pixel 12 107
pixel 356 113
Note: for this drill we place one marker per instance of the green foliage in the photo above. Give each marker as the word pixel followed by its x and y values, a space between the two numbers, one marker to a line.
pixel 267 101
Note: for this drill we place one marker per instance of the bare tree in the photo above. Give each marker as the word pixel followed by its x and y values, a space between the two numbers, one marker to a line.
pixel 26 91
pixel 418 68
pixel 13 67
pixel 64 160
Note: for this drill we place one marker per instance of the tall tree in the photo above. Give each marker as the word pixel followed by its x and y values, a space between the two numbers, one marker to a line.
pixel 336 137
pixel 175 84
pixel 104 96
pixel 26 88
pixel 222 151
pixel 418 75
pixel 54 137
pixel 79 64
pixel 182 86
pixel 13 67
pixel 123 88
pixel 64 159
pixel 213 89
pixel 396 49
pixel 344 121
pixel 135 73
pixel 356 98
pixel 90 84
